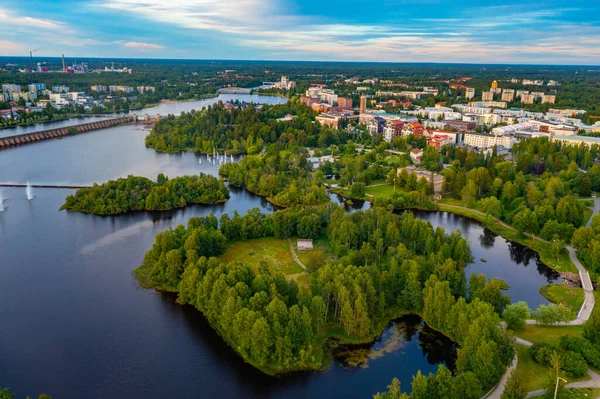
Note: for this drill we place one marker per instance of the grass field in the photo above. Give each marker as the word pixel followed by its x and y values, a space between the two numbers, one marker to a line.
pixel 274 252
pixel 321 250
pixel 534 375
pixel 557 293
pixel 547 334
pixel 381 191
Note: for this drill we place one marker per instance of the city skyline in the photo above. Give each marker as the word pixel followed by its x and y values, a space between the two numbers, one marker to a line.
pixel 556 32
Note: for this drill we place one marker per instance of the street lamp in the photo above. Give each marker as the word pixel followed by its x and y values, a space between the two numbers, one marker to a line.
pixel 556 389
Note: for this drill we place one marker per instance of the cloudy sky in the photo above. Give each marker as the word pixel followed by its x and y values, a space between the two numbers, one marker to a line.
pixel 551 31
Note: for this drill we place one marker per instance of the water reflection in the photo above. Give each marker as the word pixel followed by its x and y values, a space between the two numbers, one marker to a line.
pixel 497 257
pixel 435 347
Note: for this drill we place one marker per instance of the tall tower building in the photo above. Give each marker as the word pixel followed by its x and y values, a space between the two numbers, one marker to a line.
pixel 363 104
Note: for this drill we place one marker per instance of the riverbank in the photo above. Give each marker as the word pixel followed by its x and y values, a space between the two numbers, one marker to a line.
pixel 543 248
pixel 327 343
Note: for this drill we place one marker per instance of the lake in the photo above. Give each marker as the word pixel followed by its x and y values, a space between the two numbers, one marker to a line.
pixel 74 319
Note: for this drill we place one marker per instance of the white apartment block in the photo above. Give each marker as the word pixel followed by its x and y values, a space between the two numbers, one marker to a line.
pixel 60 89
pixel 99 88
pixel 484 141
pixel 36 87
pixel 470 93
pixel 9 88
pixel 17 95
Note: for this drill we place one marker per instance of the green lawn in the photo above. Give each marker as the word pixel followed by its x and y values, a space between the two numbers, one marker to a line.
pixel 547 334
pixel 274 252
pixel 381 191
pixel 534 375
pixel 321 250
pixel 558 293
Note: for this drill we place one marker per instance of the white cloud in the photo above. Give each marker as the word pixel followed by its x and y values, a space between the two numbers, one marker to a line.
pixel 143 46
pixel 10 19
pixel 11 48
pixel 478 34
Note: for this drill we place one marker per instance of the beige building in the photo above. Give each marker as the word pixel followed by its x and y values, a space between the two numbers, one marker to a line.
pixel 508 95
pixel 470 93
pixel 548 98
pixel 483 141
pixel 438 180
pixel 487 96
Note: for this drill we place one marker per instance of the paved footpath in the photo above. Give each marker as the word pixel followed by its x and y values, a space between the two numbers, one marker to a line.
pixel 595 211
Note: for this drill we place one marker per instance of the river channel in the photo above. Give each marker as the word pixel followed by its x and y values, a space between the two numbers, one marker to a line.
pixel 75 323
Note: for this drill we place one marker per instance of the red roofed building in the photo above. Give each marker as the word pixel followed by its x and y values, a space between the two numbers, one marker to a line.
pixel 414 128
pixel 439 140
pixel 456 137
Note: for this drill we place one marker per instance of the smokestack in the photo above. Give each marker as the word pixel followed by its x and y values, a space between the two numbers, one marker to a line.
pixel 63 59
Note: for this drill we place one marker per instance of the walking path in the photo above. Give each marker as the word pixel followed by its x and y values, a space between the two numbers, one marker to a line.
pixel 586 282
pixel 582 317
pixel 595 210
pixel 295 256
pixel 593 382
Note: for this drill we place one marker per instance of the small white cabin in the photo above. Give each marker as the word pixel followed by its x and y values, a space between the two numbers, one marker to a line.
pixel 305 245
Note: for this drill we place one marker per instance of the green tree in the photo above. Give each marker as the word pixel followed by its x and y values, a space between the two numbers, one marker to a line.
pixel 516 315
pixel 357 190
pixel 591 329
pixel 514 388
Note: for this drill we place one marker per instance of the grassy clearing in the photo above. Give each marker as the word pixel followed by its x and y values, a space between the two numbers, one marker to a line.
pixel 381 191
pixel 274 252
pixel 321 250
pixel 534 375
pixel 557 293
pixel 547 334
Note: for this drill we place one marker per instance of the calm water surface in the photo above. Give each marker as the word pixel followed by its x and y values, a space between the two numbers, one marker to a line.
pixel 162 109
pixel 497 257
pixel 74 321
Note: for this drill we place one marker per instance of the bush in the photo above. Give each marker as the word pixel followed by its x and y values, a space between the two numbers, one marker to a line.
pixel 590 353
pixel 573 364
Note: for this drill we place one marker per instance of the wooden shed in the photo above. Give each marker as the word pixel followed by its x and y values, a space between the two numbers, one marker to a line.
pixel 304 245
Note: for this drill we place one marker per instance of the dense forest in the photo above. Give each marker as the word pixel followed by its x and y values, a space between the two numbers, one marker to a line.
pixel 536 191
pixel 284 177
pixel 385 265
pixel 586 240
pixel 241 131
pixel 136 193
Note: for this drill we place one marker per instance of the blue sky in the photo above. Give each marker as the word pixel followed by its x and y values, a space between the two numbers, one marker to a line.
pixel 547 32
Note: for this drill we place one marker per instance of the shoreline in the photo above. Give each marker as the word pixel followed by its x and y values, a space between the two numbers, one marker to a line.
pixel 144 210
pixel 108 114
pixel 328 357
pixel 473 215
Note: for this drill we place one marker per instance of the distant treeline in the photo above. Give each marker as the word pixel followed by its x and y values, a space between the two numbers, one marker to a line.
pixel 136 193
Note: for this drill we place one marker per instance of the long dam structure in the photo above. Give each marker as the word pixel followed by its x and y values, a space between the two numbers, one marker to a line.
pixel 34 137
